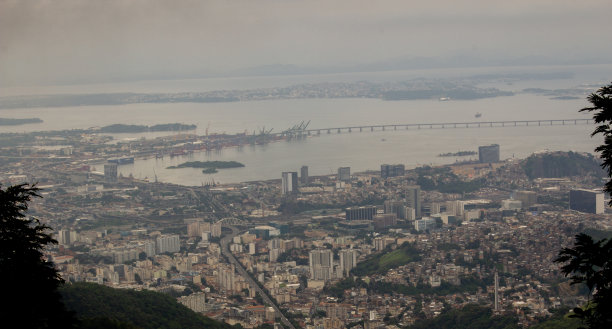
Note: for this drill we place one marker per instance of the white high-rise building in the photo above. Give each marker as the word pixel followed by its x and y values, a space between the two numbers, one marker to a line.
pixel 348 260
pixel 321 264
pixel 289 182
pixel 168 243
pixel 215 230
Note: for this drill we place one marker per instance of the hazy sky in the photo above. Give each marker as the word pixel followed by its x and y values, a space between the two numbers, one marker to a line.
pixel 77 40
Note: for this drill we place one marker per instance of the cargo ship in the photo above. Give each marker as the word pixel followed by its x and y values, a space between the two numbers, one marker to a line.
pixel 120 161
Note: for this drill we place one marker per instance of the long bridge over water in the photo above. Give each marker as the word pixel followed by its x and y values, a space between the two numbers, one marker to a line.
pixel 438 125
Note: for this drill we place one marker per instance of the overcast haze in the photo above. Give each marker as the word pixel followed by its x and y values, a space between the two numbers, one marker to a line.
pixel 63 41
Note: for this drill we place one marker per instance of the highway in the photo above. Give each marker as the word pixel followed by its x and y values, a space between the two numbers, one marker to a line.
pixel 225 241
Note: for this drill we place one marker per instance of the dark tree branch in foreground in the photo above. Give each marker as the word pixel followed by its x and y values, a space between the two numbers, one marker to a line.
pixel 30 282
pixel 601 102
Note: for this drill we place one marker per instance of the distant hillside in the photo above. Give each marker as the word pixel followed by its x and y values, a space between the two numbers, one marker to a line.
pixel 100 306
pixel 561 164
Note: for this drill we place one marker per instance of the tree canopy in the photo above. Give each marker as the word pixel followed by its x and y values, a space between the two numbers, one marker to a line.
pixel 30 282
pixel 601 102
pixel 589 261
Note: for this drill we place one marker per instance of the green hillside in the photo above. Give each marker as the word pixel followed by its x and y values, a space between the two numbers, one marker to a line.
pixel 103 307
pixel 561 164
pixel 469 317
pixel 382 262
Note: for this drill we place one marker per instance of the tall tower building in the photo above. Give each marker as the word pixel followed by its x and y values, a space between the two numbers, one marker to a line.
pixel 488 154
pixel 348 260
pixel 110 172
pixel 289 183
pixel 587 201
pixel 304 175
pixel 344 174
pixel 496 305
pixel 321 264
pixel 413 199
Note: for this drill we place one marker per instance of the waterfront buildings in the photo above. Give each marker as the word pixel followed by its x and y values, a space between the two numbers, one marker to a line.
pixel 110 172
pixel 488 154
pixel 289 182
pixel 344 174
pixel 304 175
pixel 387 170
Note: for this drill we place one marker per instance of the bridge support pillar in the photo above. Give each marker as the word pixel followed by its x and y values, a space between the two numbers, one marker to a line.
pixel 383 128
pixel 372 128
pixel 338 130
pixel 360 129
pixel 328 131
pixel 349 129
pixel 318 132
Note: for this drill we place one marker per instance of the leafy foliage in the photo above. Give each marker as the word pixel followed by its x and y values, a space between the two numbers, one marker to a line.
pixel 590 262
pixel 470 316
pixel 30 281
pixel 141 309
pixel 602 106
pixel 559 320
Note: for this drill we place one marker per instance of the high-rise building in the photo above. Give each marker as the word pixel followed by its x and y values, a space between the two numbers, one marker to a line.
pixel 395 207
pixel 387 170
pixel 413 199
pixel 455 208
pixel 194 229
pixel 289 182
pixel 110 172
pixel 348 260
pixel 226 278
pixel 321 263
pixel 360 213
pixel 587 201
pixel 304 175
pixel 344 174
pixel 384 220
pixel 424 224
pixel 488 154
pixel 63 237
pixel 168 243
pixel 527 198
pixel 215 229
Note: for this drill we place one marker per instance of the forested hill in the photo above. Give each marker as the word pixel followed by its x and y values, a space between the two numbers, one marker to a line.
pixel 561 164
pixel 103 307
pixel 470 316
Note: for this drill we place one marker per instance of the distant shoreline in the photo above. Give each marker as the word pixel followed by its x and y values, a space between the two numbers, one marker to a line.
pixel 18 122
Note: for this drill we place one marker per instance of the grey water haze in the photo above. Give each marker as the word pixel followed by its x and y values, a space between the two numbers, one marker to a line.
pixel 64 41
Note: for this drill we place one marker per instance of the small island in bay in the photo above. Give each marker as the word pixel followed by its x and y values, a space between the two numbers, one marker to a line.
pixel 209 167
pixel 17 122
pixel 457 154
